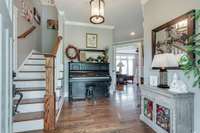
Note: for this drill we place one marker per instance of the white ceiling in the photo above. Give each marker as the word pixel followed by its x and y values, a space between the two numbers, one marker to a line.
pixel 125 15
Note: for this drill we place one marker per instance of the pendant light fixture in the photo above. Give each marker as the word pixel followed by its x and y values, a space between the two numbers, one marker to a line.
pixel 97 11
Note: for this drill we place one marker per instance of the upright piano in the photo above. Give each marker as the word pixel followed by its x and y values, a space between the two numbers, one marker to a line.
pixel 83 74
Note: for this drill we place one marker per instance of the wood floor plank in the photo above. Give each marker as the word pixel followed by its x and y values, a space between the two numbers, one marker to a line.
pixel 117 114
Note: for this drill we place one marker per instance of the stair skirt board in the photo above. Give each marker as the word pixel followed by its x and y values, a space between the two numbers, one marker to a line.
pixel 28 125
pixel 32 94
pixel 30 75
pixel 29 108
pixel 33 68
pixel 29 84
pixel 35 62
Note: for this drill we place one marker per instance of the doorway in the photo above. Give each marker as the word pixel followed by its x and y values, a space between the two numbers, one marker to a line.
pixel 127 63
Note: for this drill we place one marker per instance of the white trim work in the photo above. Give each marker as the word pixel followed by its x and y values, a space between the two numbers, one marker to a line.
pixel 0 71
pixel 75 23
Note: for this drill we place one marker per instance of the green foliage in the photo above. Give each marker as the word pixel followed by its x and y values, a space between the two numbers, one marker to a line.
pixel 189 65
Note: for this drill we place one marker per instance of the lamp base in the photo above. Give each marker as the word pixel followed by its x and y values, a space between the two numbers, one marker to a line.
pixel 163 86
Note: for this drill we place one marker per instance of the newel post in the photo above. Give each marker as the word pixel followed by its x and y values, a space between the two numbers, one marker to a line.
pixel 50 96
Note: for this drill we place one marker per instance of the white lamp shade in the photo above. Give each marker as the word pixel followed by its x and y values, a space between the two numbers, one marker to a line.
pixel 120 64
pixel 164 61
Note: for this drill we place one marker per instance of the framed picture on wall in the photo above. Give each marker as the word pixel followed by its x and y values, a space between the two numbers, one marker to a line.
pixel 52 24
pixel 172 37
pixel 91 40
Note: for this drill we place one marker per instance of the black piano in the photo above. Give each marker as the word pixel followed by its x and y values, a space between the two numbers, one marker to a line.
pixel 82 75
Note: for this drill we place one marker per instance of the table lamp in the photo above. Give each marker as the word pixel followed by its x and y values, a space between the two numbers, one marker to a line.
pixel 120 65
pixel 164 61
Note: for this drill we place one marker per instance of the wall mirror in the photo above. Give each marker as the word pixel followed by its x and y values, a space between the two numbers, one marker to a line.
pixel 173 36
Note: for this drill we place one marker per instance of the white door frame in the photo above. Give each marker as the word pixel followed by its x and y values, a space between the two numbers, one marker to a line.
pixel 122 44
pixel 1 76
pixel 15 39
pixel 6 66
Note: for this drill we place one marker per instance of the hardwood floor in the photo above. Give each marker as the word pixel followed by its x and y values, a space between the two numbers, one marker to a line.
pixel 117 114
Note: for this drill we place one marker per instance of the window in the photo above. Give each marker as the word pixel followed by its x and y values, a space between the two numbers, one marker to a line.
pixel 128 62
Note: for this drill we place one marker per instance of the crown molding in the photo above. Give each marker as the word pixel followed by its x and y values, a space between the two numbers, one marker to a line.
pixel 129 41
pixel 75 23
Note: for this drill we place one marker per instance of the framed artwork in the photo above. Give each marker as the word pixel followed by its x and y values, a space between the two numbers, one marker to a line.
pixel 172 37
pixel 148 108
pixel 163 117
pixel 91 40
pixel 52 24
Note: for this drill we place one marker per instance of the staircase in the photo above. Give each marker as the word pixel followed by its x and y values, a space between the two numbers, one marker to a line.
pixel 30 82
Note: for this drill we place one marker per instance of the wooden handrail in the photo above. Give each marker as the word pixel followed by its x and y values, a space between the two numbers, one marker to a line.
pixel 56 45
pixel 26 33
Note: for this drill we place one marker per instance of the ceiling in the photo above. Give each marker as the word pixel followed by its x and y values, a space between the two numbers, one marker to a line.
pixel 125 15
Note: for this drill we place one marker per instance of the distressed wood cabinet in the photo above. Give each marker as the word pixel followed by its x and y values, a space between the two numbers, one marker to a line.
pixel 167 112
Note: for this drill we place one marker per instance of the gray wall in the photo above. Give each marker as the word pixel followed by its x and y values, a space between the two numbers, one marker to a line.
pixel 156 13
pixel 76 35
pixel 33 40
pixel 48 35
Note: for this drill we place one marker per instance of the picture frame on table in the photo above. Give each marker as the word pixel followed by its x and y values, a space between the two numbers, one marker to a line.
pixel 91 40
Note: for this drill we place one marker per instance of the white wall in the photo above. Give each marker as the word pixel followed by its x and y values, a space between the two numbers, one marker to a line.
pixel 156 13
pixel 76 35
pixel 33 40
pixel 48 35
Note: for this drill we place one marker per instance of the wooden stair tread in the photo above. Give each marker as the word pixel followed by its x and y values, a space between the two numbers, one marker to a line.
pixel 39 79
pixel 31 89
pixel 30 101
pixel 28 116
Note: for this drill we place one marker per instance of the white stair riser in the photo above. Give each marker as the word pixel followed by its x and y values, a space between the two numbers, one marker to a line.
pixel 29 84
pixel 60 75
pixel 33 68
pixel 37 56
pixel 32 94
pixel 28 125
pixel 59 83
pixel 26 108
pixel 35 62
pixel 31 75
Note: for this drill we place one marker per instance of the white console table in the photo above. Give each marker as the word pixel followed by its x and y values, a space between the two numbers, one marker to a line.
pixel 167 112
